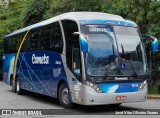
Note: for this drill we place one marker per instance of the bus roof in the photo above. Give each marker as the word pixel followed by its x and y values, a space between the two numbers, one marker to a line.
pixel 76 16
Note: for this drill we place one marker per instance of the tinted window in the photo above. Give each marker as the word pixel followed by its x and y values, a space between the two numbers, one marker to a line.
pixel 34 35
pixel 56 42
pixel 5 45
pixel 45 37
pixel 17 42
pixel 126 31
pixel 10 45
pixel 48 37
pixel 69 28
pixel 25 46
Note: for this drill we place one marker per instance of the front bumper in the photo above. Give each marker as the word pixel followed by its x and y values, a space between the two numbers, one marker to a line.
pixel 91 97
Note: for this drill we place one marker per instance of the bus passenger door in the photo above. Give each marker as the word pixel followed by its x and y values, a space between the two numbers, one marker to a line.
pixel 73 59
pixel 76 68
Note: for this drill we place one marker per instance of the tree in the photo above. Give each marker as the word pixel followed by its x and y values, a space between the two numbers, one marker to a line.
pixel 62 6
pixel 34 11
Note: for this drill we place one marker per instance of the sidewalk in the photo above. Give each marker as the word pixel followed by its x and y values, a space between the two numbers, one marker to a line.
pixel 153 96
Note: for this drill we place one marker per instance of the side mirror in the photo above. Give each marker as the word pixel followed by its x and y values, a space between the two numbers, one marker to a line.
pixel 83 42
pixel 154 42
pixel 155 45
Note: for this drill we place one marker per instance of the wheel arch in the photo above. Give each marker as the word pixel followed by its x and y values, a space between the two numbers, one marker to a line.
pixel 60 82
pixel 11 77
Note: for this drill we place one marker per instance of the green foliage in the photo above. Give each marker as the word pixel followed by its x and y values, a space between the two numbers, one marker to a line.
pixel 58 7
pixel 153 16
pixel 10 19
pixel 34 10
pixel 153 89
pixel 63 6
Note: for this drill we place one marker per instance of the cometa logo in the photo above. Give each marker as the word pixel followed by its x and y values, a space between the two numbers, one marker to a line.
pixel 40 59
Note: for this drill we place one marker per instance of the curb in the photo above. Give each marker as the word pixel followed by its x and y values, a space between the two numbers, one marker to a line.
pixel 153 96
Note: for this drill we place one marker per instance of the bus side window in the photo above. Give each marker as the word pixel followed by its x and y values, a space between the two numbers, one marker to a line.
pixel 56 42
pixel 5 45
pixel 25 46
pixel 14 40
pixel 34 40
pixel 45 37
pixel 10 45
pixel 16 43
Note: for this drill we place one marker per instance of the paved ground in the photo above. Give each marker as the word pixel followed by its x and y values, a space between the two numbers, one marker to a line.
pixel 10 100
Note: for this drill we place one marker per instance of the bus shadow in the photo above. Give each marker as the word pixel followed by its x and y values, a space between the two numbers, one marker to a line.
pixel 41 98
pixel 77 109
pixel 102 109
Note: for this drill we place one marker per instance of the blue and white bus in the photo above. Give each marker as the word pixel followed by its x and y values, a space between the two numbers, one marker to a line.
pixel 87 58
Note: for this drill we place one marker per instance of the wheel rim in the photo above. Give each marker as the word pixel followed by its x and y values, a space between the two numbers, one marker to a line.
pixel 17 85
pixel 65 97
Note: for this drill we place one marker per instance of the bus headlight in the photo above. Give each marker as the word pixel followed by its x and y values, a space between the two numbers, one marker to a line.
pixel 94 86
pixel 142 85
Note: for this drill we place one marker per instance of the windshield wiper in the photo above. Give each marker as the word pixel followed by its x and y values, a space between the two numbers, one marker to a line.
pixel 130 63
pixel 113 53
pixel 113 50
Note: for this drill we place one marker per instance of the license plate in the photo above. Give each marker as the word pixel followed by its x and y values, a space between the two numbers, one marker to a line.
pixel 118 98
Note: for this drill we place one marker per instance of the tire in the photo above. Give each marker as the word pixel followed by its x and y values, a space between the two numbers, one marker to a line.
pixel 64 97
pixel 14 85
pixel 116 105
pixel 11 80
pixel 19 90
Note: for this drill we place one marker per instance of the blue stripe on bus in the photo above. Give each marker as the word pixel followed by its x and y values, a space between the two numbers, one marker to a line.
pixel 35 89
pixel 40 77
pixel 8 67
pixel 119 87
pixel 32 71
pixel 116 22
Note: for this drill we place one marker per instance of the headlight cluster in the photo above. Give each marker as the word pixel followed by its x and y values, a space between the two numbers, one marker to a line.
pixel 142 85
pixel 94 86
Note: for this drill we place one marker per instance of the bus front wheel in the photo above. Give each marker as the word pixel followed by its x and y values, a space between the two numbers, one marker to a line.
pixel 64 97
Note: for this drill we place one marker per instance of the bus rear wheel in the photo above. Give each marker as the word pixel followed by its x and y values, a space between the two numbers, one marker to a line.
pixel 14 85
pixel 64 97
pixel 19 90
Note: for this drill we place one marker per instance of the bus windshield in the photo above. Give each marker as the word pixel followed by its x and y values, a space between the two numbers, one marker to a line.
pixel 113 51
